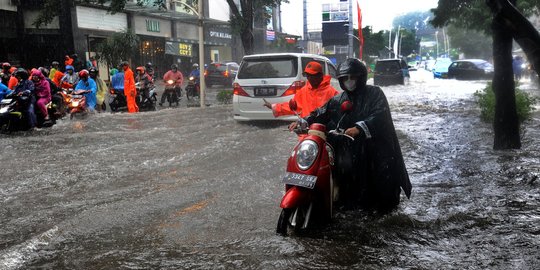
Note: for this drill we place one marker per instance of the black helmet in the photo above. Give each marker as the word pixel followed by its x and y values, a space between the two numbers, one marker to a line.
pixel 93 71
pixel 174 66
pixel 55 63
pixel 44 71
pixel 352 67
pixel 6 65
pixel 22 74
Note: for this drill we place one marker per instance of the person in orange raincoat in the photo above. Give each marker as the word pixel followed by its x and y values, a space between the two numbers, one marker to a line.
pixel 58 78
pixel 315 93
pixel 13 81
pixel 129 88
pixel 68 61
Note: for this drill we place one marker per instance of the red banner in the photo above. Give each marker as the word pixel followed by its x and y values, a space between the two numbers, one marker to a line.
pixel 360 35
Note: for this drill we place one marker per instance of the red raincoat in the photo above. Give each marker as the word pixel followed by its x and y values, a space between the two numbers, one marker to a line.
pixel 307 99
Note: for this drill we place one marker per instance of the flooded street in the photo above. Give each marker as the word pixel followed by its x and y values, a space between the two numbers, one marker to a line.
pixel 190 188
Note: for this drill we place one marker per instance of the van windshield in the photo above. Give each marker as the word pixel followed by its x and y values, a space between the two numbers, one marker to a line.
pixel 268 67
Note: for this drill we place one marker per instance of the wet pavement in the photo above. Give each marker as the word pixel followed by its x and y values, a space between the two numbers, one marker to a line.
pixel 190 188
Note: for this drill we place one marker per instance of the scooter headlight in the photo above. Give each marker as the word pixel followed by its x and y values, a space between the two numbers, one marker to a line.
pixel 306 154
pixel 74 103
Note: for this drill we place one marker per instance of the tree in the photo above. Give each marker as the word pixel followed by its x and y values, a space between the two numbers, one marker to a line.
pixel 242 18
pixel 472 43
pixel 470 14
pixel 118 47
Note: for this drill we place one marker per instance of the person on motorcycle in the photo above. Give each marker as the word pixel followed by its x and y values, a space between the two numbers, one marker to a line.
pixel 129 88
pixel 101 88
pixel 70 78
pixel 56 98
pixel 144 81
pixel 88 84
pixel 54 68
pixel 68 61
pixel 372 165
pixel 4 91
pixel 57 80
pixel 195 73
pixel 42 91
pixel 178 78
pixel 25 87
pixel 5 74
pixel 315 93
pixel 150 70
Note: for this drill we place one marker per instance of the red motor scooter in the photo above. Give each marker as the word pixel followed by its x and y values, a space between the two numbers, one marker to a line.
pixel 77 102
pixel 310 188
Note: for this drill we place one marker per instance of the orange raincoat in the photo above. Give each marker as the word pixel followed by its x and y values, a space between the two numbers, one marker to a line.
pixel 307 99
pixel 130 91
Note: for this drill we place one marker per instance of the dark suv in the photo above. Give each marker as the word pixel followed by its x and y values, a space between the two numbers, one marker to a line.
pixel 391 71
pixel 221 73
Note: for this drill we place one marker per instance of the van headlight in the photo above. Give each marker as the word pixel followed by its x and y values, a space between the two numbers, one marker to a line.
pixel 306 154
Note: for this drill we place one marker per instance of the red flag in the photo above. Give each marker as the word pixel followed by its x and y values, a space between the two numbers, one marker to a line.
pixel 360 35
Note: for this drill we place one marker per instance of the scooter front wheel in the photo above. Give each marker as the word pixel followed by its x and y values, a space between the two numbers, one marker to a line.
pixel 283 221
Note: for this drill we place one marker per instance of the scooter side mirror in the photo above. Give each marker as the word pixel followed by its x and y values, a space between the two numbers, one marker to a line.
pixel 346 106
pixel 292 105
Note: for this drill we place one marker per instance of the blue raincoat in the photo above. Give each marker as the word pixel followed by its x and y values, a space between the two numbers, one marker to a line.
pixel 91 99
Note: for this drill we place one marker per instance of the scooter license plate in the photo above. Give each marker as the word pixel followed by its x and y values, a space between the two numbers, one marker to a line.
pixel 301 180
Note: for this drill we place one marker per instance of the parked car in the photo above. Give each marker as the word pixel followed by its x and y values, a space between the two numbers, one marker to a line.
pixel 391 71
pixel 221 73
pixel 470 69
pixel 440 68
pixel 275 77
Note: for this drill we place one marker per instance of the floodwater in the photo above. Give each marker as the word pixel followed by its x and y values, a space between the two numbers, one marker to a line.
pixel 190 188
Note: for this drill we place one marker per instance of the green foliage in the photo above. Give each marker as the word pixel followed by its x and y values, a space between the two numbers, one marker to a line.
pixel 224 96
pixel 474 14
pixel 117 47
pixel 486 101
pixel 416 20
pixel 473 43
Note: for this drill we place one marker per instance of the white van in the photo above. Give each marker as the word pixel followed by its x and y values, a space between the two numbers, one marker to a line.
pixel 275 77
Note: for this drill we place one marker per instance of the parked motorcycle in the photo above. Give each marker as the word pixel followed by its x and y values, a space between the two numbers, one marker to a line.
pixel 172 93
pixel 146 101
pixel 117 100
pixel 311 188
pixel 192 89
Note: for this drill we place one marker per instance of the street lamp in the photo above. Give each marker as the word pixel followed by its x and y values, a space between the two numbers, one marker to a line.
pixel 200 20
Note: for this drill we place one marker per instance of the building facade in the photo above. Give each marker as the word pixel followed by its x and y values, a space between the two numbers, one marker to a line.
pixel 166 36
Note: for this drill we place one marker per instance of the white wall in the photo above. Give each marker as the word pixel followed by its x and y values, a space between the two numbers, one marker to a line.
pixel 97 19
pixel 218 10
pixel 6 5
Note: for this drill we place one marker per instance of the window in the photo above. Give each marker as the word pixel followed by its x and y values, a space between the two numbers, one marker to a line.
pixel 152 25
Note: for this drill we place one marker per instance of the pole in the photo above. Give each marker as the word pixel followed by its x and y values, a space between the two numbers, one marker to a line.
pixel 390 43
pixel 201 55
pixel 437 40
pixel 351 26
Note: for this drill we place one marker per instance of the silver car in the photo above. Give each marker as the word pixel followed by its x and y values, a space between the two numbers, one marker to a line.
pixel 275 77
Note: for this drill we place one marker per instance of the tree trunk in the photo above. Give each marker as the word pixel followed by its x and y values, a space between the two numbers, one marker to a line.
pixel 521 29
pixel 506 122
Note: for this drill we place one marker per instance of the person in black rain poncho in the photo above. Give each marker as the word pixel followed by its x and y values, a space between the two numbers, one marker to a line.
pixel 370 169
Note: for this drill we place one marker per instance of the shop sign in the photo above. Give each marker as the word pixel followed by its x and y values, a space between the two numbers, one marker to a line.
pixel 178 48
